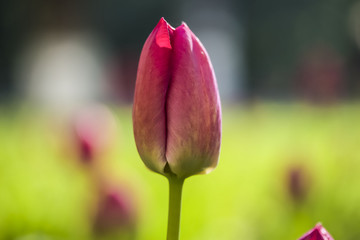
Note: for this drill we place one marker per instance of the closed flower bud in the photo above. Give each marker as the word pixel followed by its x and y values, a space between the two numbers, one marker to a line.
pixel 94 129
pixel 297 183
pixel 317 233
pixel 116 211
pixel 176 113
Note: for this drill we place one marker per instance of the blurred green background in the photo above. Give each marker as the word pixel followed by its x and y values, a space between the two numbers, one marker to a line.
pixel 250 195
pixel 289 79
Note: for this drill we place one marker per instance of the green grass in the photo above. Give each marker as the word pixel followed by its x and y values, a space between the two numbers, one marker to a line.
pixel 46 194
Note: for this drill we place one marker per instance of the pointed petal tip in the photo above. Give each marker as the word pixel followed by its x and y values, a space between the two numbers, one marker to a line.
pixel 163 34
pixel 162 21
pixel 183 26
pixel 319 225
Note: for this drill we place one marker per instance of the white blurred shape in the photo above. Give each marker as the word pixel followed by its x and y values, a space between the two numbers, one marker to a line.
pixel 224 58
pixel 222 36
pixel 61 72
pixel 354 21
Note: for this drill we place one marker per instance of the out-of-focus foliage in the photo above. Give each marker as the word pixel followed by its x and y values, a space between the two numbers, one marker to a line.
pixel 283 167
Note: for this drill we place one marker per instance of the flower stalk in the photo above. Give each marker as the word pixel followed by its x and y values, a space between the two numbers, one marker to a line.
pixel 175 195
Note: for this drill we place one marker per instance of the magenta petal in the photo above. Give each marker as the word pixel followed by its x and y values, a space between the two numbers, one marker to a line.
pixel 193 108
pixel 162 35
pixel 317 233
pixel 149 116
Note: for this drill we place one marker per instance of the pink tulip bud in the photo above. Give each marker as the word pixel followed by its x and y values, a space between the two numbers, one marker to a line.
pixel 94 129
pixel 176 113
pixel 116 212
pixel 317 233
pixel 297 183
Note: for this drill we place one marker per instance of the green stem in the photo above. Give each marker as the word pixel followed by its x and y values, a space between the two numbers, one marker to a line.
pixel 175 191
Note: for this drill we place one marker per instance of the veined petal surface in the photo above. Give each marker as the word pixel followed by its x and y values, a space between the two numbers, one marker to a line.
pixel 193 108
pixel 149 113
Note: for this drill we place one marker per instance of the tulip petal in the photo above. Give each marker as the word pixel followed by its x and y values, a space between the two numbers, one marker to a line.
pixel 193 108
pixel 317 233
pixel 149 116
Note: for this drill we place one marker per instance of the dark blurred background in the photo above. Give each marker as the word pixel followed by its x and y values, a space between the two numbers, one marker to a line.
pixel 279 49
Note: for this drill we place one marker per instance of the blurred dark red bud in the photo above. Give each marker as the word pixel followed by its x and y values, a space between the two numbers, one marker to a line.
pixel 115 212
pixel 94 128
pixel 317 233
pixel 86 150
pixel 297 183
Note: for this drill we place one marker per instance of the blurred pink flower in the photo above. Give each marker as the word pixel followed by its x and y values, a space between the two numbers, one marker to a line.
pixel 116 211
pixel 176 114
pixel 317 233
pixel 94 129
pixel 298 184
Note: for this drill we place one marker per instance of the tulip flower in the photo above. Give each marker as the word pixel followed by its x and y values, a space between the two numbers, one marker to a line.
pixel 176 113
pixel 317 233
